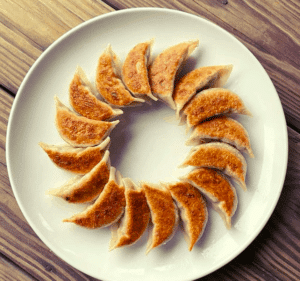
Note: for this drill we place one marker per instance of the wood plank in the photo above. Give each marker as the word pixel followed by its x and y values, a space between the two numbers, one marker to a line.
pixel 270 29
pixel 18 242
pixel 11 272
pixel 27 28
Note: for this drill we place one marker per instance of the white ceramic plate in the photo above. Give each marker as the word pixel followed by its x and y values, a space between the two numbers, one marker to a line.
pixel 146 145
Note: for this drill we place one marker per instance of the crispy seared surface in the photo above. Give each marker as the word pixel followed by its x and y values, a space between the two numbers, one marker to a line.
pixel 216 186
pixel 193 209
pixel 163 213
pixel 213 102
pixel 85 103
pixel 78 130
pixel 163 70
pixel 199 79
pixel 137 214
pixel 220 156
pixel 109 84
pixel 90 186
pixel 135 72
pixel 80 163
pixel 107 208
pixel 222 128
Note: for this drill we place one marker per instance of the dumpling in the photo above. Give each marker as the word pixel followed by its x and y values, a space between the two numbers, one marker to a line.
pixel 192 208
pixel 136 217
pixel 219 156
pixel 212 102
pixel 76 160
pixel 164 215
pixel 199 79
pixel 223 129
pixel 108 82
pixel 135 71
pixel 107 209
pixel 83 99
pixel 218 189
pixel 82 189
pixel 80 131
pixel 163 70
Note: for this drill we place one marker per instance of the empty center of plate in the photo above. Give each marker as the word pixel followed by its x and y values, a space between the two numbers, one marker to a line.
pixel 148 144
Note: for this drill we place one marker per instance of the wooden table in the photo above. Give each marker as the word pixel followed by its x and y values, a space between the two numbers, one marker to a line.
pixel 270 29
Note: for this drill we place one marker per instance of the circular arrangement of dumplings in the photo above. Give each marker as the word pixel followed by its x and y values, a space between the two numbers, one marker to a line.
pixel 199 101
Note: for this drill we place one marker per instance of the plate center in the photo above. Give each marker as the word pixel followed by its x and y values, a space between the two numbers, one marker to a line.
pixel 148 144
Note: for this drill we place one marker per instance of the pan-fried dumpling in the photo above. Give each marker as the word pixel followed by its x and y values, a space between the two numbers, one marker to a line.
pixel 83 99
pixel 135 220
pixel 164 215
pixel 219 156
pixel 82 189
pixel 223 129
pixel 212 102
pixel 197 80
pixel 107 209
pixel 192 208
pixel 218 189
pixel 80 131
pixel 108 82
pixel 135 71
pixel 163 70
pixel 76 160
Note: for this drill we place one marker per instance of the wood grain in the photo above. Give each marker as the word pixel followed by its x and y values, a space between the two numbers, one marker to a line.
pixel 27 28
pixel 269 29
pixel 6 269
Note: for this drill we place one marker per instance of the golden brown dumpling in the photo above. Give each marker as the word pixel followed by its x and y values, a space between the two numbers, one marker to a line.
pixel 219 156
pixel 108 207
pixel 83 99
pixel 80 131
pixel 164 215
pixel 108 82
pixel 222 129
pixel 218 189
pixel 192 208
pixel 135 71
pixel 163 70
pixel 212 102
pixel 197 80
pixel 136 217
pixel 76 160
pixel 82 189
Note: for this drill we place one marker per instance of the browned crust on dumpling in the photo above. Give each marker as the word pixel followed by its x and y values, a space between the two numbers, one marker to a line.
pixel 106 210
pixel 220 156
pixel 217 188
pixel 108 82
pixel 223 129
pixel 135 220
pixel 163 70
pixel 199 79
pixel 88 187
pixel 84 102
pixel 80 131
pixel 76 160
pixel 135 71
pixel 193 210
pixel 164 215
pixel 212 102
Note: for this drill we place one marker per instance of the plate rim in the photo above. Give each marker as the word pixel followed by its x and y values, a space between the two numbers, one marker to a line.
pixel 112 14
